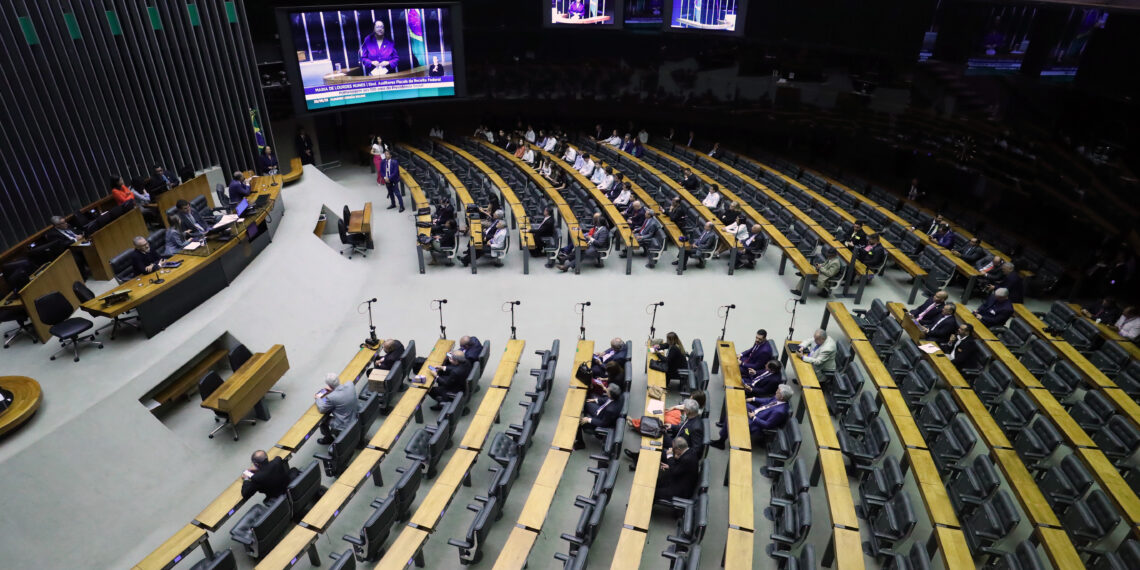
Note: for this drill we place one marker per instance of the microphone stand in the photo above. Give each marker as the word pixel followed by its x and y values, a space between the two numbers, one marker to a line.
pixel 581 309
pixel 653 321
pixel 371 341
pixel 727 309
pixel 511 304
pixel 792 323
pixel 442 329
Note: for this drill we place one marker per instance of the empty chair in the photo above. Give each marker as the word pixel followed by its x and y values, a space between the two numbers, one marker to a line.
pixel 869 319
pixel 918 383
pixel 84 294
pixel 1059 317
pixel 868 451
pixel 404 492
pixel 357 243
pixel 916 559
pixel 55 311
pixel 428 444
pixel 304 489
pixel 223 560
pixel 783 445
pixel 952 444
pixel 17 314
pixel 1090 519
pixel 878 486
pixel 1016 335
pixel 990 522
pixel 263 526
pixel 905 357
pixel 605 475
pixel 937 414
pixel 1119 439
pixel 1014 414
pixel 1129 379
pixel 973 485
pixel 1127 557
pixel 845 388
pixel 487 511
pixel 340 451
pixel 892 525
pixel 859 415
pixel 593 509
pixel 1110 358
pixel 791 527
pixel 1093 411
pixel 367 409
pixel 575 561
pixel 1083 335
pixel 1037 442
pixel 1062 380
pixel 1039 356
pixel 368 544
pixel 1023 557
pixel 504 478
pixel 1066 482
pixel 342 561
pixel 389 389
pixel 693 522
pixel 886 336
pixel 206 386
pixel 992 382
pixel 789 484
pixel 502 448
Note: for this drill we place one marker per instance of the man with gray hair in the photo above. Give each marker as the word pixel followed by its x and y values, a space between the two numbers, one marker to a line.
pixel 61 235
pixel 340 400
pixel 691 428
pixel 679 471
pixel 1010 280
pixel 996 310
pixel 600 412
pixel 143 258
pixel 819 352
pixel 940 330
pixel 450 379
pixel 763 414
pixel 828 268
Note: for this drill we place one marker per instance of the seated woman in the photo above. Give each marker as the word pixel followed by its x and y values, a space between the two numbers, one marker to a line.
pixel 763 413
pixel 674 353
pixel 120 192
pixel 268 161
pixel 176 237
pixel 673 416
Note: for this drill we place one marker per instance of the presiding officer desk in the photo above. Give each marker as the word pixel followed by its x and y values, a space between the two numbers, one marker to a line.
pixel 204 271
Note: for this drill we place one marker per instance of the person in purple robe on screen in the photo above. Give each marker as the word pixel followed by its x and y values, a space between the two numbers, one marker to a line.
pixel 577 9
pixel 376 52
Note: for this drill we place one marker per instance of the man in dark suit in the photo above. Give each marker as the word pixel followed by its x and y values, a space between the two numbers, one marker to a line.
pixel 943 326
pixel 1009 280
pixel 752 247
pixel 597 240
pixel 543 232
pixel 857 237
pixel 600 412
pixel 971 252
pixel 444 211
pixel 996 310
pixel 238 189
pixel 615 352
pixel 304 146
pixel 763 414
pixel 635 214
pixel 704 243
pixel 872 255
pixel 390 175
pixel 651 236
pixel 757 355
pixel 471 347
pixel 929 311
pixel 393 350
pixel 679 472
pixel 764 383
pixel 450 379
pixel 162 180
pixel 689 181
pixel 692 427
pixel 962 348
pixel 61 235
pixel 677 212
pixel 143 259
pixel 269 476
pixel 192 219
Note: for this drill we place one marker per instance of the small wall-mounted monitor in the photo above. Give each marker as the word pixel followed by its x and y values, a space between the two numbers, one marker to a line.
pixel 708 16
pixel 595 14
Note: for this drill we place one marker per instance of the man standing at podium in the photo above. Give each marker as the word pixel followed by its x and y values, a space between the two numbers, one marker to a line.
pixel 378 55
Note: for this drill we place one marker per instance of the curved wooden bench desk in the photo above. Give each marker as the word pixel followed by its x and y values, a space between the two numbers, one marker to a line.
pixel 26 398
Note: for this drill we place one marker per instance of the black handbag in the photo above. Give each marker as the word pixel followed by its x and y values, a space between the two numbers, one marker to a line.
pixel 658 365
pixel 651 426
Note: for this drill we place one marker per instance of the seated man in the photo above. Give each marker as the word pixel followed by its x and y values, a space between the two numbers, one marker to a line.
pixel 588 166
pixel 757 355
pixel 143 259
pixel 990 268
pixel 971 252
pixel 673 416
pixel 857 237
pixel 599 175
pixel 689 181
pixel 929 311
pixel 651 236
pixel 706 242
pixel 607 179
pixel 820 353
pixel 764 383
pixel 600 412
pixel 269 476
pixel 940 330
pixel 61 235
pixel 1010 280
pixel 494 237
pixel 635 214
pixel 677 212
pixel 444 212
pixel 679 472
pixel 442 242
pixel 450 379
pixel 471 347
pixel 996 310
pixel 1105 312
pixel 872 255
pixel 192 219
pixel 340 399
pixel 751 248
pixel 692 427
pixel 962 348
pixel 238 188
pixel 597 240
pixel 392 351
pixel 616 352
pixel 1128 325
pixel 621 193
pixel 829 270
pixel 763 414
pixel 162 180
pixel 943 236
pixel 544 232
pixel 613 140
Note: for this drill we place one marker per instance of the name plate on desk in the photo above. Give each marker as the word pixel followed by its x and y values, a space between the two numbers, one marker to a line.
pixel 376 380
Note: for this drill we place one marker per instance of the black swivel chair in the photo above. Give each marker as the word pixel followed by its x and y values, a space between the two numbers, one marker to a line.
pixel 340 451
pixel 263 526
pixel 357 243
pixel 368 544
pixel 18 315
pixel 84 294
pixel 123 267
pixel 223 196
pixel 221 561
pixel 55 311
pixel 303 490
pixel 342 561
pixel 206 386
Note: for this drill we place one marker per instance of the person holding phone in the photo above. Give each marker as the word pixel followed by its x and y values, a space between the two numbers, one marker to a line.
pixel 269 476
pixel 340 400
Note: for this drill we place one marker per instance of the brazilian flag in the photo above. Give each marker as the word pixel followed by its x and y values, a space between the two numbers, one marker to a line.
pixel 258 134
pixel 417 45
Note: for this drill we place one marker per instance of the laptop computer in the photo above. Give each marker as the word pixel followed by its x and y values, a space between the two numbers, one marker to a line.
pixel 242 207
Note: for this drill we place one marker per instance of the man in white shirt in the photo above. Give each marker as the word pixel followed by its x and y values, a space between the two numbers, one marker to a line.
pixel 550 143
pixel 587 169
pixel 571 156
pixel 607 180
pixel 819 352
pixel 1128 325
pixel 529 134
pixel 598 176
pixel 613 140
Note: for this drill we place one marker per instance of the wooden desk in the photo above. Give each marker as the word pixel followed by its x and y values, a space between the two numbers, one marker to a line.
pixel 321 515
pixel 435 503
pixel 1025 488
pixel 517 549
pixel 288 552
pixel 820 419
pixel 805 373
pixel 900 417
pixel 405 550
pixel 1058 548
pixel 1052 409
pixel 640 506
pixel 409 403
pixel 57 276
pixel 230 500
pixel 109 241
pixel 361 467
pixel 537 504
pixel 360 222
pixel 955 551
pixel 903 316
pixel 245 389
pixel 1034 322
pixel 931 488
pixel 175 549
pixel 26 398
pixel 839 501
pixel 474 225
pixel 738 549
pixel 631 544
pixel 526 239
pixel 983 422
pixel 675 233
pixel 845 320
pixel 1113 484
pixel 874 366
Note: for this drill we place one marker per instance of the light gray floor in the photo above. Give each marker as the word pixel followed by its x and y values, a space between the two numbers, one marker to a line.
pixel 96 481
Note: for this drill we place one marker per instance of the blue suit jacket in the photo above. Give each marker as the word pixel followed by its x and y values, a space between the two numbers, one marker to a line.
pixel 472 353
pixel 763 384
pixel 391 170
pixel 238 190
pixel 771 418
pixel 993 313
pixel 756 357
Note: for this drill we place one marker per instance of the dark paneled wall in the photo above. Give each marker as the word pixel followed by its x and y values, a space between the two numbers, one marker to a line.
pixel 94 88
